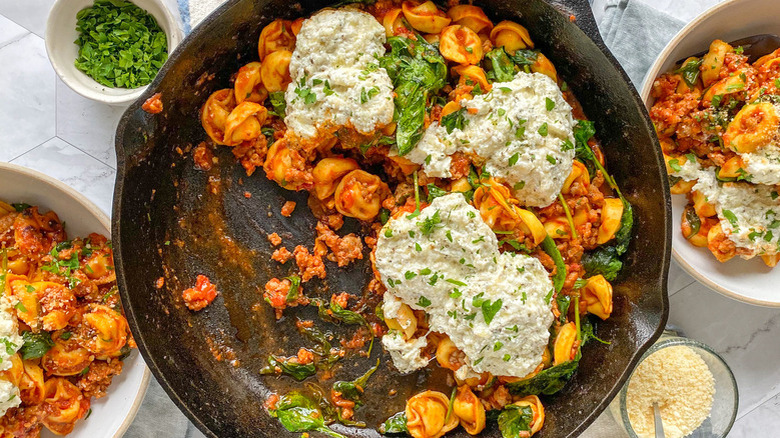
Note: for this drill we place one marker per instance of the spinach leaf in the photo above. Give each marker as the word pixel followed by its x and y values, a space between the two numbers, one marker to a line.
pixel 690 72
pixel 435 192
pixel 603 260
pixel 35 345
pixel 337 314
pixel 395 425
pixel 548 245
pixel 588 330
pixel 547 382
pixel 295 287
pixel 293 369
pixel 563 301
pixel 454 120
pixel 502 68
pixel 524 57
pixel 623 235
pixel 20 207
pixel 693 220
pixel 299 413
pixel 353 390
pixel 515 419
pixel 418 71
pixel 279 104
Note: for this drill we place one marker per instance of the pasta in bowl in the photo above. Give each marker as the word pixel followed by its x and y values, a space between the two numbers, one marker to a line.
pixel 63 377
pixel 493 226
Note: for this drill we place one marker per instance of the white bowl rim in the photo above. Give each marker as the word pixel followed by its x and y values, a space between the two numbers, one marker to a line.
pixel 175 35
pixel 102 217
pixel 647 84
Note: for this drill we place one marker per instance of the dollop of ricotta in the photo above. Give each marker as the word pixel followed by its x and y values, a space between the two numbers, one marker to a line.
pixel 336 78
pixel 494 306
pixel 523 129
pixel 10 343
pixel 748 213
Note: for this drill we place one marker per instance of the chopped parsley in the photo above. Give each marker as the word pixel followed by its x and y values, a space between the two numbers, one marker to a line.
pixel 513 159
pixel 429 224
pixel 543 130
pixel 732 218
pixel 423 301
pixel 549 104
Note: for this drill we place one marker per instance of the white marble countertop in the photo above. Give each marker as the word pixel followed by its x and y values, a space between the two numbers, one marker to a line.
pixel 46 126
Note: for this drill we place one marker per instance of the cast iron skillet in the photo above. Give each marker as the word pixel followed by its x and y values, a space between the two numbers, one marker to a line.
pixel 168 224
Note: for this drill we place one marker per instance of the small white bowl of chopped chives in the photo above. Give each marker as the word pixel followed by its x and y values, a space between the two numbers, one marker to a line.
pixel 695 390
pixel 110 50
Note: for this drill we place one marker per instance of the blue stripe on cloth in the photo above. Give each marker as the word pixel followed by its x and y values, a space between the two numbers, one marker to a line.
pixel 184 11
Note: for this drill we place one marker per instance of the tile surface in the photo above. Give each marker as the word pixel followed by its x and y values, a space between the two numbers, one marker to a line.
pixel 31 14
pixel 89 176
pixel 26 96
pixel 86 124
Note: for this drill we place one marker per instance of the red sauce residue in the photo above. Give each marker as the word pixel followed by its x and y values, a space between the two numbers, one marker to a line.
pixel 281 255
pixel 153 105
pixel 159 283
pixel 200 296
pixel 274 239
pixel 288 208
pixel 203 157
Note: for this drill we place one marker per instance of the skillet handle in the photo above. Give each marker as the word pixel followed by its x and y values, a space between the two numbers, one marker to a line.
pixel 583 17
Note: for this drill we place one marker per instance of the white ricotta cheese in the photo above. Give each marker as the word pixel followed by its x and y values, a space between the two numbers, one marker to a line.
pixel 523 129
pixel 763 166
pixel 9 396
pixel 10 342
pixel 494 306
pixel 336 78
pixel 405 354
pixel 749 213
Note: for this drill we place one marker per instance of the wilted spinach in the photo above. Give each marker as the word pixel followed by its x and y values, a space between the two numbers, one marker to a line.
pixel 299 413
pixel 690 72
pixel 418 71
pixel 502 68
pixel 395 425
pixel 548 245
pixel 353 390
pixel 293 369
pixel 547 382
pixel 35 345
pixel 604 260
pixel 515 419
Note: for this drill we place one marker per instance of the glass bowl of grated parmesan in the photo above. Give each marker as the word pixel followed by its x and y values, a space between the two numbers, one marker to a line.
pixel 694 387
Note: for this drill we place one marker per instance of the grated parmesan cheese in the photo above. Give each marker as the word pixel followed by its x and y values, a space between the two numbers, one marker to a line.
pixel 682 384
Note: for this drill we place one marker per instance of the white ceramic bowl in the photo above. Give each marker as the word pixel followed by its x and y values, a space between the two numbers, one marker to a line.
pixel 112 414
pixel 746 280
pixel 61 33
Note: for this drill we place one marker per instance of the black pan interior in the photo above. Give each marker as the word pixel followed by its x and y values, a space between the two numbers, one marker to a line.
pixel 169 224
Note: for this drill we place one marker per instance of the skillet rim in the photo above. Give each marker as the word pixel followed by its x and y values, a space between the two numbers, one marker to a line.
pixel 585 22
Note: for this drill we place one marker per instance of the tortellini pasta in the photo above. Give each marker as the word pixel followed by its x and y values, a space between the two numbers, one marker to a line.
pixel 110 328
pixel 249 84
pixel 597 293
pixel 215 112
pixel 64 405
pixel 611 214
pixel 360 195
pixel 43 305
pixel 565 348
pixel 426 415
pixel 275 71
pixel 511 36
pixel 66 358
pixel 460 44
pixel 276 36
pixel 425 17
pixel 245 123
pixel 754 126
pixel 469 410
pixel 470 16
pixel 537 408
pixel 328 172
